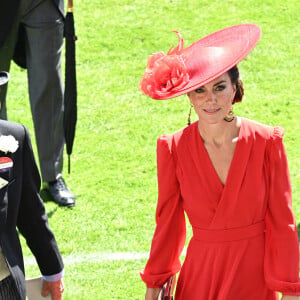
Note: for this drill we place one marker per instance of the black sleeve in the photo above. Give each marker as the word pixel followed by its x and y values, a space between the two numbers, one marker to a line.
pixel 32 218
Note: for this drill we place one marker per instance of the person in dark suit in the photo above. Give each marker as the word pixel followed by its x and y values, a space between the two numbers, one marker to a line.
pixel 36 27
pixel 21 208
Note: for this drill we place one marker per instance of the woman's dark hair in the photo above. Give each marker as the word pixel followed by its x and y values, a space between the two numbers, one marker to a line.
pixel 234 75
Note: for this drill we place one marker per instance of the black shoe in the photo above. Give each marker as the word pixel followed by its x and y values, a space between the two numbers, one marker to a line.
pixel 60 193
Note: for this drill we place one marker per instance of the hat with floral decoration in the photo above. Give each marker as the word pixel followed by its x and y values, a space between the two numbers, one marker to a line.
pixel 183 70
pixel 3 77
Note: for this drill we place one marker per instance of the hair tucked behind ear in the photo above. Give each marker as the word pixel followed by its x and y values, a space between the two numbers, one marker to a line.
pixel 234 75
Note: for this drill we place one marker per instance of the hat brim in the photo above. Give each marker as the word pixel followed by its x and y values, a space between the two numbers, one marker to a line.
pixel 4 77
pixel 215 54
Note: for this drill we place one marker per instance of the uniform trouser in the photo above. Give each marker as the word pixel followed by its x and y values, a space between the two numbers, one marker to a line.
pixel 44 39
pixel 8 289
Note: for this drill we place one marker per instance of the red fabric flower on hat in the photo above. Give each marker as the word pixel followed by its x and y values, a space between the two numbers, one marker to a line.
pixel 165 73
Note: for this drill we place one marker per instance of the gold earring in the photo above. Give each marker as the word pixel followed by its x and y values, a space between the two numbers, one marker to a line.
pixel 230 117
pixel 189 117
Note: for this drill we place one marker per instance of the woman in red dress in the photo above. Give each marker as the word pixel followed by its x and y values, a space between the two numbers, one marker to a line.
pixel 228 174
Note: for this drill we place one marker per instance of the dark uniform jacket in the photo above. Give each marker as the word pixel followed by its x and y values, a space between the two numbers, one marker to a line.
pixel 22 208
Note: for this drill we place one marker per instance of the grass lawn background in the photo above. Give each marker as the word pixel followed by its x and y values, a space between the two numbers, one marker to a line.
pixel 113 162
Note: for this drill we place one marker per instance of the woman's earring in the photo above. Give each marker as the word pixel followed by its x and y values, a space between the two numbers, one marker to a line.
pixel 189 117
pixel 230 117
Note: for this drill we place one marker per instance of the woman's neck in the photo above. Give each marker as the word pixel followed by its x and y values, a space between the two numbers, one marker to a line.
pixel 219 133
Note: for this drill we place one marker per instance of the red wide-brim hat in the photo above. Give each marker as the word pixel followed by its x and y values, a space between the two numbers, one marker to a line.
pixel 3 77
pixel 183 70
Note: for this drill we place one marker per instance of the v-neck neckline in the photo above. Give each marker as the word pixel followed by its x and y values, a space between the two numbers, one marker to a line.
pixel 232 163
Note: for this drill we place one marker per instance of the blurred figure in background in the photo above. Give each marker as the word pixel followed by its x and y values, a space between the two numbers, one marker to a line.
pixel 36 27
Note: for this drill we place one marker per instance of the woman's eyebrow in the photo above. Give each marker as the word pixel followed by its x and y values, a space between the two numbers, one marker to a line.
pixel 219 82
pixel 222 81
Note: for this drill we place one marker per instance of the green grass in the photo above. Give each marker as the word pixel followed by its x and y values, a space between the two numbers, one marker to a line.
pixel 113 162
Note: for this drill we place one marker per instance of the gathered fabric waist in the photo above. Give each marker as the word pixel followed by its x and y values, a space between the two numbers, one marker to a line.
pixel 229 234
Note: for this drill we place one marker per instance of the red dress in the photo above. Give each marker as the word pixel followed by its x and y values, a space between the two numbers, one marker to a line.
pixel 245 243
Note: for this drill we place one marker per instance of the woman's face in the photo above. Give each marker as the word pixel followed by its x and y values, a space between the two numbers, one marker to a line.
pixel 213 101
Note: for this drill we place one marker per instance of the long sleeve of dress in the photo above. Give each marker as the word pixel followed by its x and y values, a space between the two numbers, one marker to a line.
pixel 170 232
pixel 282 245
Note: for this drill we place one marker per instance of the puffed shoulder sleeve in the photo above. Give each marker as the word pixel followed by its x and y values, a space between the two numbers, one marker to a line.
pixel 282 245
pixel 170 233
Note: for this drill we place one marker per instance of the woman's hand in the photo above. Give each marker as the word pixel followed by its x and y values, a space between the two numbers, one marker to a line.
pixel 287 297
pixel 54 288
pixel 152 294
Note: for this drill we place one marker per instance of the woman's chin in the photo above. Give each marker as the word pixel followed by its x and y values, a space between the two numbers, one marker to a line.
pixel 211 119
